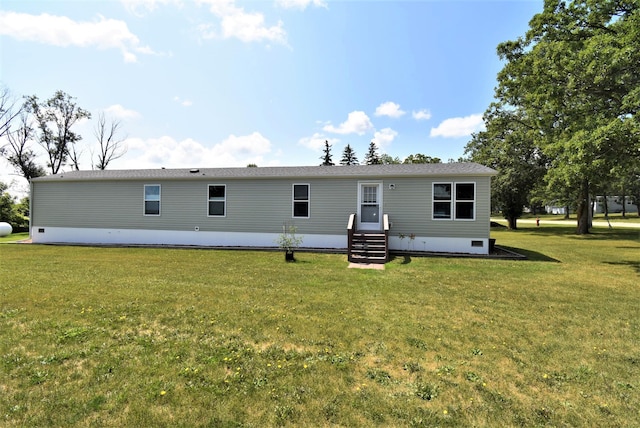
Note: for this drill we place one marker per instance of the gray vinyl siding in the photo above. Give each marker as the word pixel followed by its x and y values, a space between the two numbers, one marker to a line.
pixel 410 206
pixel 252 205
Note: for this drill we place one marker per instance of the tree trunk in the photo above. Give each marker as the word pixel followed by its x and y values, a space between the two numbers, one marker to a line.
pixel 566 212
pixel 512 223
pixel 583 209
pixel 624 202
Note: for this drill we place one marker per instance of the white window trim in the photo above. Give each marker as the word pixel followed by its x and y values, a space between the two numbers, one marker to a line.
pixel 217 200
pixel 144 200
pixel 434 200
pixel 455 200
pixel 293 200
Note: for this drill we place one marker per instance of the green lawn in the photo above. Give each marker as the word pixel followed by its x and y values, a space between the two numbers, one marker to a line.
pixel 168 337
pixel 14 237
pixel 614 218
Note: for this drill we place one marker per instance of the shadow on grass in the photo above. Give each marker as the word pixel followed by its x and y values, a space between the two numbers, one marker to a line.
pixel 632 264
pixel 613 234
pixel 570 232
pixel 533 256
pixel 406 258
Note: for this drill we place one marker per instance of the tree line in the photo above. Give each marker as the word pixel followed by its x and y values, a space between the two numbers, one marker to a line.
pixel 34 128
pixel 372 157
pixel 564 125
pixel 37 127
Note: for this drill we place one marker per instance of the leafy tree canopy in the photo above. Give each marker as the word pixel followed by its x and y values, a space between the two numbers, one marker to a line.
pixel 420 158
pixel 571 86
pixel 54 118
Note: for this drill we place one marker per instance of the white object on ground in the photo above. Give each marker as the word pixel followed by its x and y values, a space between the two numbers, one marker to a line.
pixel 5 229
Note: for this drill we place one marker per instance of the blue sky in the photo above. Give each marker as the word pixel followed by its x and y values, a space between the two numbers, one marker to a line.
pixel 213 83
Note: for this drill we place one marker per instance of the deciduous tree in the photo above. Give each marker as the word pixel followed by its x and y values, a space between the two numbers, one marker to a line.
pixel 508 145
pixel 55 118
pixel 9 110
pixel 420 158
pixel 387 159
pixel 110 145
pixel 18 151
pixel 574 75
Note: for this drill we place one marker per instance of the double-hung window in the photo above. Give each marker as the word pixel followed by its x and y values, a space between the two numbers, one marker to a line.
pixel 465 201
pixel 454 201
pixel 217 200
pixel 151 199
pixel 301 200
pixel 442 201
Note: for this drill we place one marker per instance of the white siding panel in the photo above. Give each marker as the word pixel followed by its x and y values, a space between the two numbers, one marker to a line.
pixel 70 235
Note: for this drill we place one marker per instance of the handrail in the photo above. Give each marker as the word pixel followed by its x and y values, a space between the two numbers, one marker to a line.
pixel 352 222
pixel 385 225
pixel 351 225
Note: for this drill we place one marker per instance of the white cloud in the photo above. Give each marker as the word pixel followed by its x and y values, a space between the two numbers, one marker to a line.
pixel 384 138
pixel 300 4
pixel 170 153
pixel 236 23
pixel 421 115
pixel 357 123
pixel 316 141
pixel 250 145
pixel 138 7
pixel 183 103
pixel 119 112
pixel 62 31
pixel 458 126
pixel 390 109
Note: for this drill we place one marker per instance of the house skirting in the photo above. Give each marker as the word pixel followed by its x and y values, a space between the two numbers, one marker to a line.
pixel 440 244
pixel 69 235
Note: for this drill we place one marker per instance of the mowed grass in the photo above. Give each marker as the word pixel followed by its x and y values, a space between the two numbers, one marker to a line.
pixel 14 237
pixel 170 337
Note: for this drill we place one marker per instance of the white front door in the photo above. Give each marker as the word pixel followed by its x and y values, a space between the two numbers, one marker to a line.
pixel 369 206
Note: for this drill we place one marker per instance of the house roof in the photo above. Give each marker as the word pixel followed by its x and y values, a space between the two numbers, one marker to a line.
pixel 355 171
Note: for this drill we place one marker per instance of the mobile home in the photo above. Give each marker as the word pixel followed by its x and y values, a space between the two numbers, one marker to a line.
pixel 418 207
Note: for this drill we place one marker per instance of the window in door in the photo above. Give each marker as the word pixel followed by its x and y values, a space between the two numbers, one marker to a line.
pixel 369 207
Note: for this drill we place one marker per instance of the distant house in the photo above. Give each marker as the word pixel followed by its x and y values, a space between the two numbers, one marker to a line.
pixel 614 205
pixel 417 207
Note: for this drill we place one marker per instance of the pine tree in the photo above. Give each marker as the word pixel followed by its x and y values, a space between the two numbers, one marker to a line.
pixel 326 157
pixel 372 157
pixel 349 156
